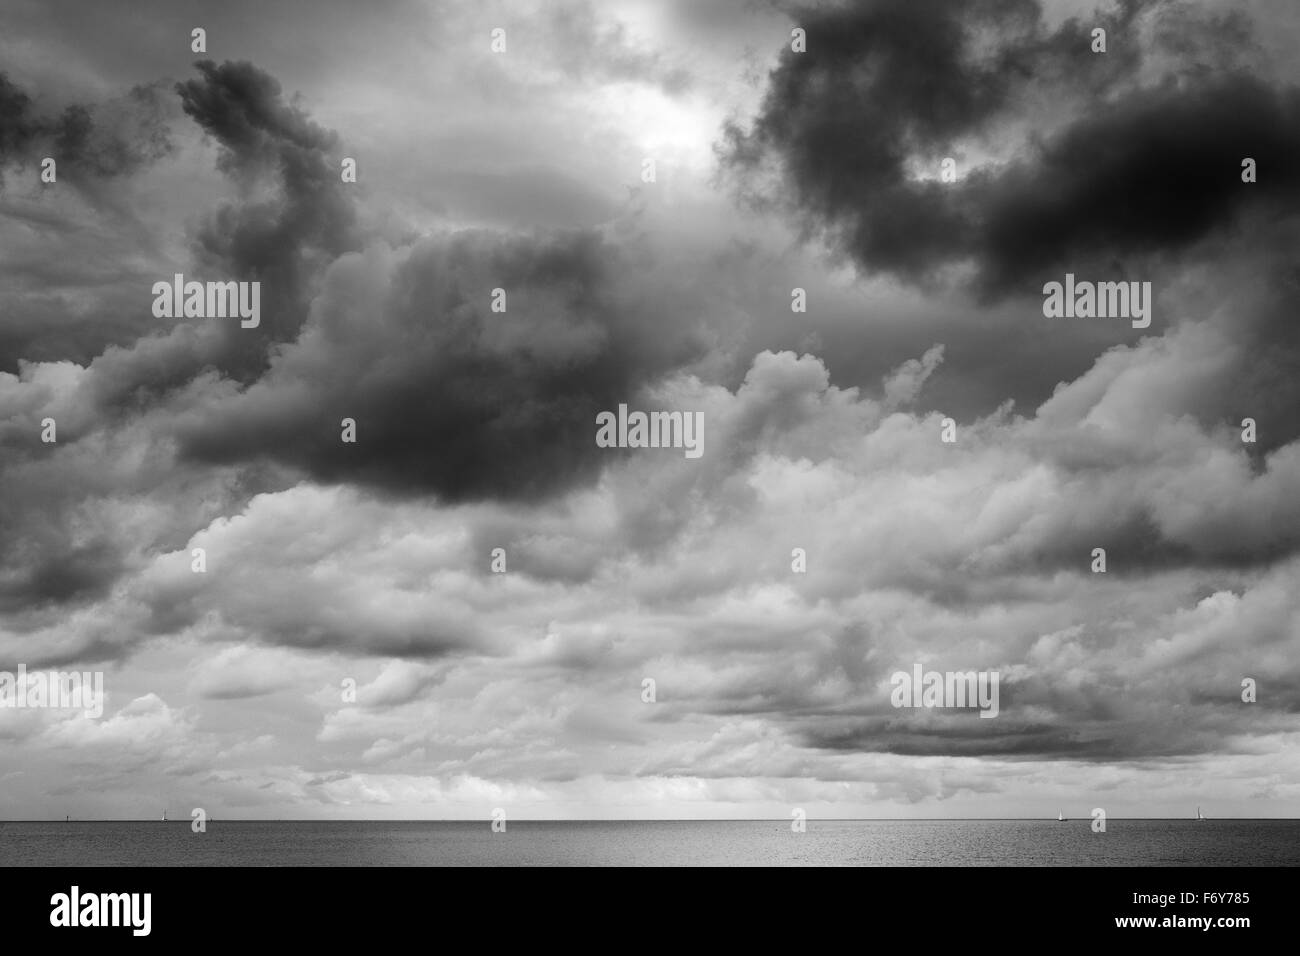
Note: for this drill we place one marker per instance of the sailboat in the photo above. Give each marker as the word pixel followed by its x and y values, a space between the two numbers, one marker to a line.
pixel 164 820
pixel 1060 817
pixel 1200 818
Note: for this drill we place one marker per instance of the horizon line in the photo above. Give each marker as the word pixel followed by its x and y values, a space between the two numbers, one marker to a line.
pixel 488 819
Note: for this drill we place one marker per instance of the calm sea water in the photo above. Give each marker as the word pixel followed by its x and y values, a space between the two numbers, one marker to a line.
pixel 729 843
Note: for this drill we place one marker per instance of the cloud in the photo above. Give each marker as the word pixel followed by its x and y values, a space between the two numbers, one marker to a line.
pixel 280 241
pixel 451 398
pixel 970 556
pixel 18 125
pixel 904 385
pixel 238 673
pixel 114 138
pixel 372 561
pixel 610 54
pixel 1122 167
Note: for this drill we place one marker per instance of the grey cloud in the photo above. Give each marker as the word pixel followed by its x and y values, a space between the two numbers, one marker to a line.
pixel 101 140
pixel 278 241
pixel 1133 170
pixel 450 398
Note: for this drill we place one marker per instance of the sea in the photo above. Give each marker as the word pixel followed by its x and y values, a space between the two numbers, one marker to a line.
pixel 1126 842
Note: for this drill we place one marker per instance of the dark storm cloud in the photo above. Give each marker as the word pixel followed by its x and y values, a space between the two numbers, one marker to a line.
pixel 117 138
pixel 282 236
pixel 963 734
pixel 103 140
pixel 281 240
pixel 18 124
pixel 1103 734
pixel 450 398
pixel 1157 171
pixel 1043 716
pixel 76 574
pixel 293 217
pixel 1133 170
pixel 241 106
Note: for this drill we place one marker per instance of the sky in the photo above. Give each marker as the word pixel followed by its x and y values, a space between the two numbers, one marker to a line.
pixel 369 564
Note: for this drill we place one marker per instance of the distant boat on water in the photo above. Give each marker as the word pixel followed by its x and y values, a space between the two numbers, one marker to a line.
pixel 1060 817
pixel 1200 818
pixel 164 819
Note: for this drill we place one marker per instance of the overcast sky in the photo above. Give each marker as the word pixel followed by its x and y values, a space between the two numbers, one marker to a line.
pixel 522 170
